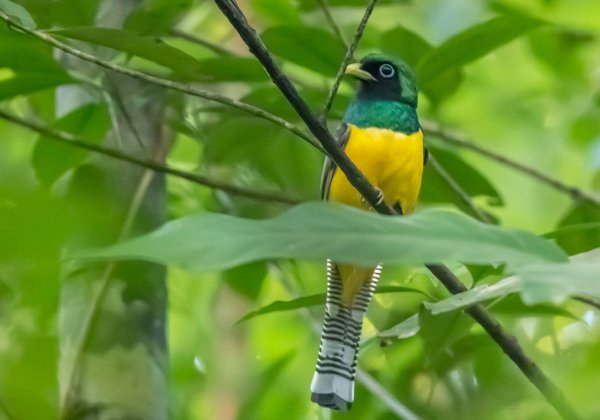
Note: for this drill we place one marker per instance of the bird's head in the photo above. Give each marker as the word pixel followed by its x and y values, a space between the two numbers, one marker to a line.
pixel 384 78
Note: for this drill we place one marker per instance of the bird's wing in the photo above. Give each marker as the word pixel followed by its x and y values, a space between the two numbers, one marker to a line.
pixel 343 134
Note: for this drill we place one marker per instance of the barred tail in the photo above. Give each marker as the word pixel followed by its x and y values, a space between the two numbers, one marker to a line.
pixel 333 382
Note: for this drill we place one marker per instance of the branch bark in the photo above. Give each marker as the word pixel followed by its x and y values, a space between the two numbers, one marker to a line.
pixel 507 342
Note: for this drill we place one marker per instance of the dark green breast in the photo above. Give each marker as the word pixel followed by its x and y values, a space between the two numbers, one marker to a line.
pixel 393 115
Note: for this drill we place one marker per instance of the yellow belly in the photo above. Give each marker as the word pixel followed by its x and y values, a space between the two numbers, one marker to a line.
pixel 391 161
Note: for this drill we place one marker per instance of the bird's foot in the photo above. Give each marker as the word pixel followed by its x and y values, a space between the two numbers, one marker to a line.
pixel 379 200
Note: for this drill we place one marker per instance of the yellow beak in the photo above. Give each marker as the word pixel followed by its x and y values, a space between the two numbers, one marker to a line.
pixel 355 70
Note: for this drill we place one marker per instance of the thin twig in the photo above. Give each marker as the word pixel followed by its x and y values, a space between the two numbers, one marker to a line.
pixel 336 28
pixel 200 41
pixel 67 138
pixel 349 54
pixel 589 300
pixel 464 196
pixel 507 342
pixel 169 84
pixel 457 139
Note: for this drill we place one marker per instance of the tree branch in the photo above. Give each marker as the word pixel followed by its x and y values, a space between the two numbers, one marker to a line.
pixel 69 139
pixel 336 28
pixel 349 54
pixel 169 84
pixel 507 342
pixel 457 139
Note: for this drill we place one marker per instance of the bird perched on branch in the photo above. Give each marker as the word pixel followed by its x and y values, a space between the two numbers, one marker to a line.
pixel 382 136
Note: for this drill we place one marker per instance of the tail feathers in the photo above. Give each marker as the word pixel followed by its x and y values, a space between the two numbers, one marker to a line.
pixel 333 382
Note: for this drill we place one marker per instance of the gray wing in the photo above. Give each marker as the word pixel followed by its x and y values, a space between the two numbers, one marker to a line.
pixel 343 134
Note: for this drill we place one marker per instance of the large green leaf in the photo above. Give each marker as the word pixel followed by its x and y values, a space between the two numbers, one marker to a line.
pixel 313 48
pixel 184 66
pixel 470 45
pixel 319 230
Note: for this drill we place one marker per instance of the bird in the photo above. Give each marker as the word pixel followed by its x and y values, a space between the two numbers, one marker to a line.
pixel 381 134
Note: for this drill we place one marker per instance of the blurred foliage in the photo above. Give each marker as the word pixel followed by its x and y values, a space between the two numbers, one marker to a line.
pixel 519 77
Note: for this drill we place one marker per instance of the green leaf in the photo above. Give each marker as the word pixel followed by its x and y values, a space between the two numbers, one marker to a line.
pixel 271 151
pixel 18 12
pixel 406 329
pixel 319 230
pixel 405 44
pixel 578 231
pixel 183 65
pixel 435 189
pixel 310 47
pixel 512 305
pixel 556 282
pixel 155 16
pixel 285 305
pixel 26 55
pixel 539 283
pixel 476 295
pixel 470 45
pixel 246 279
pixel 441 331
pixel 316 300
pixel 26 83
pixel 50 159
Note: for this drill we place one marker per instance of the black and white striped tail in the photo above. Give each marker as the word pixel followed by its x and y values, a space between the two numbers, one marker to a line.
pixel 333 382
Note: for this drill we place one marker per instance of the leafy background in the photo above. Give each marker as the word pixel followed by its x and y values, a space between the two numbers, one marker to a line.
pixel 519 78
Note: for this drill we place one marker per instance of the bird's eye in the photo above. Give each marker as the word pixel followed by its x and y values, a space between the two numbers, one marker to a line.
pixel 387 70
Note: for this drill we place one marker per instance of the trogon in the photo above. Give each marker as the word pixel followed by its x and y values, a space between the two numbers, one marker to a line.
pixel 381 134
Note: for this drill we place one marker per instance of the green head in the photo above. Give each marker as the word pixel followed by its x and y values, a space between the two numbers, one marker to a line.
pixel 384 78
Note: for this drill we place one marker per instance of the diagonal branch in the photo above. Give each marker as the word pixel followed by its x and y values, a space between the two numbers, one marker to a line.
pixel 507 342
pixel 231 10
pixel 349 54
pixel 457 139
pixel 69 139
pixel 169 84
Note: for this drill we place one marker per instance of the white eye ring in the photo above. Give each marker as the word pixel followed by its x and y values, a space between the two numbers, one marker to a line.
pixel 387 70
